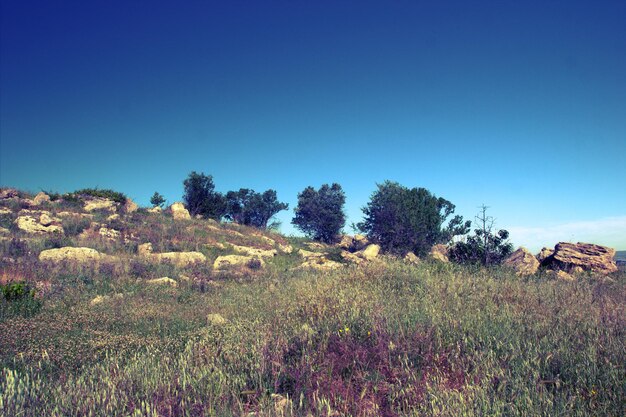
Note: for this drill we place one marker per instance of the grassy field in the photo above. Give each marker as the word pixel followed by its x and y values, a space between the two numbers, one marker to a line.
pixel 385 339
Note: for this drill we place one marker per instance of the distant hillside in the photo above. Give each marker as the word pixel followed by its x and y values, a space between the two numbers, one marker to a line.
pixel 620 255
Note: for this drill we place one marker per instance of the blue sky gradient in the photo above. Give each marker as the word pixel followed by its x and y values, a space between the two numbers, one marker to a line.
pixel 517 105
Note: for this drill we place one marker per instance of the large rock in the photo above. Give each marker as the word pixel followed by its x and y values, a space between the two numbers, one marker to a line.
pixel 155 210
pixel 359 242
pixel 145 249
pixel 411 258
pixel 100 204
pixel 8 193
pixel 246 250
pixel 130 206
pixel 41 198
pixel 162 281
pixel 309 255
pixel 369 253
pixel 80 255
pixel 320 264
pixel 179 212
pixel 439 252
pixel 544 254
pixel 230 262
pixel 351 257
pixel 38 223
pixel 523 262
pixel 589 257
pixel 180 259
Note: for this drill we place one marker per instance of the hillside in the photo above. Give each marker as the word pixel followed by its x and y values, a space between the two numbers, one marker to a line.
pixel 150 312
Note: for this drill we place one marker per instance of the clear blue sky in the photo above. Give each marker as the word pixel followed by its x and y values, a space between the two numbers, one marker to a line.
pixel 518 105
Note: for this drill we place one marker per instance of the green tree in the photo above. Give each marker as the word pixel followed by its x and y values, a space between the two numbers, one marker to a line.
pixel 251 208
pixel 319 213
pixel 157 200
pixel 201 198
pixel 485 246
pixel 405 220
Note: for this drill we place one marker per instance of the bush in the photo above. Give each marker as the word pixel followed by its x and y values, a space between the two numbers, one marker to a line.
pixel 405 220
pixel 484 247
pixel 319 214
pixel 201 198
pixel 106 193
pixel 251 208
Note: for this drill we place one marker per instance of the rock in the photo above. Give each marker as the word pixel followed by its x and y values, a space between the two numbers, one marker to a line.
pixel 99 299
pixel 179 212
pixel 315 246
pixel 46 220
pixel 369 253
pixel 245 250
pixel 216 319
pixel 113 217
pixel 351 257
pixel 6 193
pixel 130 206
pixel 41 198
pixel 439 252
pixel 345 242
pixel 229 262
pixel 144 249
pixel 544 254
pixel 66 214
pixel 320 264
pixel 359 242
pixel 285 248
pixel 100 204
pixel 412 258
pixel 162 281
pixel 308 254
pixel 180 259
pixel 31 224
pixel 561 275
pixel 4 210
pixel 589 257
pixel 155 210
pixel 4 231
pixel 80 255
pixel 109 234
pixel 523 262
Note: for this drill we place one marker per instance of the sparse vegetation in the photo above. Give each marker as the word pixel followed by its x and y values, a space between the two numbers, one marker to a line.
pixel 101 193
pixel 384 338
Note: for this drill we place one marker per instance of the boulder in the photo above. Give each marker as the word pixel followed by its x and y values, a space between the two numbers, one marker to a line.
pixel 411 258
pixel 523 262
pixel 287 248
pixel 439 252
pixel 351 257
pixel 345 242
pixel 4 210
pixel 109 234
pixel 216 319
pixel 544 254
pixel 162 281
pixel 31 224
pixel 369 253
pixel 80 255
pixel 359 242
pixel 130 206
pixel 589 257
pixel 155 210
pixel 229 262
pixel 315 246
pixel 179 259
pixel 144 249
pixel 100 204
pixel 8 193
pixel 179 212
pixel 41 198
pixel 320 264
pixel 561 275
pixel 45 219
pixel 309 255
pixel 262 253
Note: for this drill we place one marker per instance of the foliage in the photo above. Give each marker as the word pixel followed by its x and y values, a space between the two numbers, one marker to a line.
pixel 201 198
pixel 157 200
pixel 16 290
pixel 250 208
pixel 405 220
pixel 484 246
pixel 319 213
pixel 101 193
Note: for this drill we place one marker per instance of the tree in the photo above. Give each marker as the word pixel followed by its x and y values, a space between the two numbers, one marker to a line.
pixel 405 220
pixel 319 213
pixel 483 247
pixel 251 208
pixel 201 198
pixel 157 200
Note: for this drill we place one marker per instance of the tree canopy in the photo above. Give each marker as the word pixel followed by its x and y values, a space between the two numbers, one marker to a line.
pixel 319 213
pixel 252 208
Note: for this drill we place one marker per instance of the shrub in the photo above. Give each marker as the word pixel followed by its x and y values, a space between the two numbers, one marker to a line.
pixel 201 198
pixel 405 220
pixel 157 200
pixel 105 193
pixel 251 208
pixel 319 214
pixel 16 291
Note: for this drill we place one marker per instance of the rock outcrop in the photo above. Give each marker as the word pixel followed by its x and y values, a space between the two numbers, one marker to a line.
pixel 439 252
pixel 162 281
pixel 8 193
pixel 80 255
pixel 41 198
pixel 587 256
pixel 544 254
pixel 369 253
pixel 97 204
pixel 262 253
pixel 180 259
pixel 130 206
pixel 179 212
pixel 523 262
pixel 38 222
pixel 411 258
pixel 233 262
